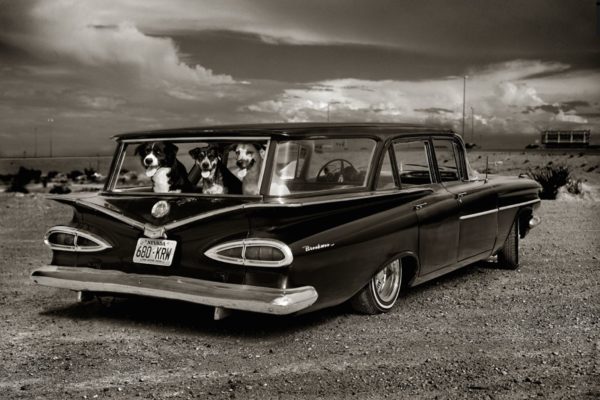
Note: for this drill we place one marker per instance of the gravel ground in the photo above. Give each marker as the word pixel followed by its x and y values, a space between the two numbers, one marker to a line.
pixel 478 333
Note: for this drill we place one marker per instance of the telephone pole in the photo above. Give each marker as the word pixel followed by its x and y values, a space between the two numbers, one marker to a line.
pixel 50 121
pixel 464 102
pixel 472 124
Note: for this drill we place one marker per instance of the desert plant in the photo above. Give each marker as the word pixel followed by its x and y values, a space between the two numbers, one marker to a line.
pixel 575 186
pixel 551 177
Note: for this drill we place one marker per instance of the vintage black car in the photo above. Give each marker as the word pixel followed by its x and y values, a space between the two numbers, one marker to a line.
pixel 288 218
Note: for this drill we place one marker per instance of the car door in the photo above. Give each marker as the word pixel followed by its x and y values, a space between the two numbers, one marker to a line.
pixel 437 213
pixel 477 200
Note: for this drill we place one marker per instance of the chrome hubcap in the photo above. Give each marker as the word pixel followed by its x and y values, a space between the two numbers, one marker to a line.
pixel 387 281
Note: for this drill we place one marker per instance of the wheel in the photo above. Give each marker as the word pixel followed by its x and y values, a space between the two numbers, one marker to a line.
pixel 380 294
pixel 508 256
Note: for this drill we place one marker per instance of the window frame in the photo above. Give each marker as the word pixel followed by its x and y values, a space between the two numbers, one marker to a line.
pixel 121 153
pixel 427 151
pixel 458 157
pixel 367 187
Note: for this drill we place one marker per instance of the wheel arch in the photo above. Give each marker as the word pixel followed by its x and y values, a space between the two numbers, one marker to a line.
pixel 523 217
pixel 409 261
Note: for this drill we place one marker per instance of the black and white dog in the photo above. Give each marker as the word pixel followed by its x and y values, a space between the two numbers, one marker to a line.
pixel 207 170
pixel 167 173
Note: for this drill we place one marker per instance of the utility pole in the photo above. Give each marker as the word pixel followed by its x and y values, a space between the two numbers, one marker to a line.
pixel 35 154
pixel 464 102
pixel 50 121
pixel 472 124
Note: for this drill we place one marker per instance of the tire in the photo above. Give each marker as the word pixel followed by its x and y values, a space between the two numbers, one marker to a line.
pixel 508 256
pixel 380 294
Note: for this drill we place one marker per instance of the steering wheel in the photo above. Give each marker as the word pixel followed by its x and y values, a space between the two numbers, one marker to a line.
pixel 337 170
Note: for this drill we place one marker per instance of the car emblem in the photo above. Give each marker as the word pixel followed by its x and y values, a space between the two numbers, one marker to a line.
pixel 160 209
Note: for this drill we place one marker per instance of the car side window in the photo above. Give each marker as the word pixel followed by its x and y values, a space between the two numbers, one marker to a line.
pixel 412 163
pixel 386 175
pixel 447 160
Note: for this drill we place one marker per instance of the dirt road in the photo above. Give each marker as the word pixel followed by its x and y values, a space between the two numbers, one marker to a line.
pixel 478 333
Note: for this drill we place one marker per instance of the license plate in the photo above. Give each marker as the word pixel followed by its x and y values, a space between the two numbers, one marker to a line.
pixel 154 251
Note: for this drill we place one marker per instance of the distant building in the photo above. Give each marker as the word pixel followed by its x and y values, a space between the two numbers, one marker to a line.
pixel 566 138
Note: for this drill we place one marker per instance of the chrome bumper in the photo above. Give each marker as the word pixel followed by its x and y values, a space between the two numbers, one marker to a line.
pixel 238 297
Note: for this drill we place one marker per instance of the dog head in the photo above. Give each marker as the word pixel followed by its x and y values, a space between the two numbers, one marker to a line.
pixel 155 155
pixel 207 158
pixel 248 154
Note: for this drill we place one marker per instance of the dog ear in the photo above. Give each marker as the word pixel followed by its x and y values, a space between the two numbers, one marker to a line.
pixel 171 148
pixel 139 150
pixel 170 152
pixel 261 149
pixel 195 152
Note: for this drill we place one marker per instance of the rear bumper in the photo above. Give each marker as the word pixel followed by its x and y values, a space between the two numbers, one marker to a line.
pixel 238 297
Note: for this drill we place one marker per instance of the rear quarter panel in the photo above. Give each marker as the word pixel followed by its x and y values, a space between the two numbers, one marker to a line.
pixel 339 246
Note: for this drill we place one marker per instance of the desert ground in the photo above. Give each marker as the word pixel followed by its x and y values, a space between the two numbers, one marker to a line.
pixel 481 332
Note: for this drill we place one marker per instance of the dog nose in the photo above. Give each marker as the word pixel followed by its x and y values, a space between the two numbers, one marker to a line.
pixel 147 161
pixel 204 165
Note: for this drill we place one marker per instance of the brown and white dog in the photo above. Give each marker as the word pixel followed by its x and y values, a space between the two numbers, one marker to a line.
pixel 249 158
pixel 167 173
pixel 208 169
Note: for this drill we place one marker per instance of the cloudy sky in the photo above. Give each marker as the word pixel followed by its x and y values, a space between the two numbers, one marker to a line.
pixel 83 70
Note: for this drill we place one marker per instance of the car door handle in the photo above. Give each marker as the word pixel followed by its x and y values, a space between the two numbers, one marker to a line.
pixel 419 206
pixel 460 196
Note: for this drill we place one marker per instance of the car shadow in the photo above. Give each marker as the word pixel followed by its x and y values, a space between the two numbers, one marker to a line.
pixel 193 318
pixel 455 277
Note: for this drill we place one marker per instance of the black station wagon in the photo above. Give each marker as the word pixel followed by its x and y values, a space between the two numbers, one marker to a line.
pixel 288 218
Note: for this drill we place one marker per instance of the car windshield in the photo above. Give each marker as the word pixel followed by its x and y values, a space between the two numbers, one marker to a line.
pixel 201 166
pixel 302 166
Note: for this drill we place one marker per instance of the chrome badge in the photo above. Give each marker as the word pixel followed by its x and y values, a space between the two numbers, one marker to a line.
pixel 160 209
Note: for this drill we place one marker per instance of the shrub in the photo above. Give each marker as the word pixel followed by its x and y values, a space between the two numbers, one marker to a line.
pixel 575 187
pixel 551 177
pixel 23 178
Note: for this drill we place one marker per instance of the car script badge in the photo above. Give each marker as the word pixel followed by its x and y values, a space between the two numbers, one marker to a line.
pixel 160 209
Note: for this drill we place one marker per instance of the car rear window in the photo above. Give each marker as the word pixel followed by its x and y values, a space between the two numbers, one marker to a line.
pixel 201 166
pixel 314 165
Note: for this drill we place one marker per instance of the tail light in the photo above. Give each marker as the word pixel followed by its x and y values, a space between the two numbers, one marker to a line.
pixel 65 238
pixel 253 252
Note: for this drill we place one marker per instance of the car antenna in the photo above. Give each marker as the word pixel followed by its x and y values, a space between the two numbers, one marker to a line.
pixel 487 167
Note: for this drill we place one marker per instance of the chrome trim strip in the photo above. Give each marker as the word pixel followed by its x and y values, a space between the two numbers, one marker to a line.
pixel 217 294
pixel 185 221
pixel 288 257
pixel 519 204
pixel 197 138
pixel 114 214
pixel 479 214
pixel 367 196
pixel 101 244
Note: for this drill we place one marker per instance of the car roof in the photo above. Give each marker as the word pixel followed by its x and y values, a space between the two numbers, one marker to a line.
pixel 290 130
